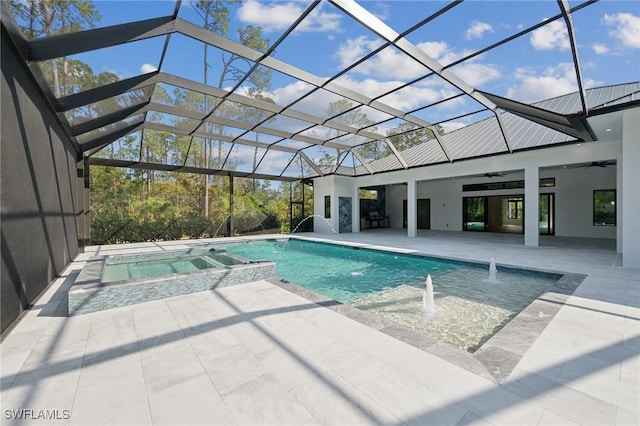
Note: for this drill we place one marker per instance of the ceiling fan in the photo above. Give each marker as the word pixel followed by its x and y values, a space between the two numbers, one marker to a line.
pixel 593 164
pixel 495 174
pixel 600 164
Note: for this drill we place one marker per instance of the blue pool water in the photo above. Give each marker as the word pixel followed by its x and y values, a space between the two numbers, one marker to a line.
pixel 340 272
pixel 133 267
pixel 469 309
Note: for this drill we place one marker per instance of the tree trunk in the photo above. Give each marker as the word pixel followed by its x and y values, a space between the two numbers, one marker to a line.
pixel 55 81
pixel 206 159
pixel 255 160
pixel 206 183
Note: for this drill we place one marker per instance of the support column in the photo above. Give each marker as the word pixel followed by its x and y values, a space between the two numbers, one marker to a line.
pixel 629 194
pixel 355 210
pixel 83 217
pixel 531 206
pixel 619 204
pixel 412 209
pixel 230 219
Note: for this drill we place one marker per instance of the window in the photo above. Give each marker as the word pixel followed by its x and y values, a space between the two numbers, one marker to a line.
pixel 547 182
pixel 368 194
pixel 512 184
pixel 514 209
pixel 604 207
pixel 327 206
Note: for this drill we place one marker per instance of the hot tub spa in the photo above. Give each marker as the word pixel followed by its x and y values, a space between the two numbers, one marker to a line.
pixel 108 282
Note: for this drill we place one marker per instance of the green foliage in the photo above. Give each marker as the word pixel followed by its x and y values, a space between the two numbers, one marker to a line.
pixel 405 136
pixel 123 209
pixel 604 207
pixel 146 205
pixel 47 17
pixel 215 14
pixel 38 18
pixel 113 228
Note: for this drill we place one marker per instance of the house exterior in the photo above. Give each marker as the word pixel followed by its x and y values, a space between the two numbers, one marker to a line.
pixel 571 174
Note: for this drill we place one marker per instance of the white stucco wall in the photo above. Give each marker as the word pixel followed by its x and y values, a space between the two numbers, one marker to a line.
pixel 574 201
pixel 393 204
pixel 443 185
pixel 321 188
pixel 573 196
pixel 334 186
pixel 630 191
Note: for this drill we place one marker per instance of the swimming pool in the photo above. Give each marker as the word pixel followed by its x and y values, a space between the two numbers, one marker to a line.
pixel 469 309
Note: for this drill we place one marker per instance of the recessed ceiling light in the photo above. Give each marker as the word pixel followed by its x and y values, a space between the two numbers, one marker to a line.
pixel 607 130
pixel 579 144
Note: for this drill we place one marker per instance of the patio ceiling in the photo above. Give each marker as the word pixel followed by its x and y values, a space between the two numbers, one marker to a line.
pixel 325 124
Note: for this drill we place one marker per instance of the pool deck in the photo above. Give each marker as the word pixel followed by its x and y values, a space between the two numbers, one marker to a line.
pixel 259 354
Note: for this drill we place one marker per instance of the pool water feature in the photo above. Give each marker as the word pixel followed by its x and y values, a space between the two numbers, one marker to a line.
pixel 469 310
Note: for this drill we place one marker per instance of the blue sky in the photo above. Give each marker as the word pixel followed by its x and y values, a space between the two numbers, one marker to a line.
pixel 532 67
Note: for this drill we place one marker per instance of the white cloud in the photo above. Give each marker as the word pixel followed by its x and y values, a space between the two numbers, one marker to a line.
pixel 146 68
pixel 392 64
pixel 270 17
pixel 627 28
pixel 452 103
pixel 599 48
pixel 315 105
pixel 279 16
pixel 552 36
pixel 405 99
pixel 555 81
pixel 355 48
pixel 275 162
pixel 450 126
pixel 287 94
pixel 441 52
pixel 382 11
pixel 475 73
pixel 477 30
pixel 411 98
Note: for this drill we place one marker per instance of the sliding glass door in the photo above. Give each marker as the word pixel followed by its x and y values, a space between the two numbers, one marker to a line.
pixel 423 213
pixel 547 216
pixel 505 213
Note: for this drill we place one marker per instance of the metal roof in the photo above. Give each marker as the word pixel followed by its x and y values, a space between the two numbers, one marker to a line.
pixel 166 119
pixel 484 138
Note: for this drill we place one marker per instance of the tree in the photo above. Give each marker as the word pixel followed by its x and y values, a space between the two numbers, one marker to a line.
pixel 343 112
pixel 404 136
pixel 112 190
pixel 254 116
pixel 46 17
pixel 215 17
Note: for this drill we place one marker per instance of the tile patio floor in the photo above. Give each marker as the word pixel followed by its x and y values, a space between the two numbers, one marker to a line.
pixel 258 354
